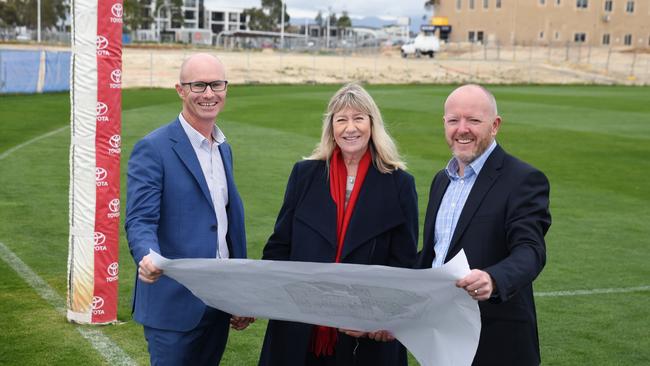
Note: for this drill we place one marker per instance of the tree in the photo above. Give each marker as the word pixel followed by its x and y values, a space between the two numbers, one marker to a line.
pixel 344 21
pixel 274 10
pixel 268 17
pixel 333 19
pixel 431 5
pixel 258 20
pixel 319 19
pixel 135 16
pixel 24 13
pixel 8 14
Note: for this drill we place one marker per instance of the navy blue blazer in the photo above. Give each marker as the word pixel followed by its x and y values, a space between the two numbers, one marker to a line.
pixel 169 210
pixel 383 230
pixel 501 229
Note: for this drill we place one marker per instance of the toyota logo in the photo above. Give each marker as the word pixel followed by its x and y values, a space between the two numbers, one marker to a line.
pixel 98 302
pixel 117 9
pixel 101 42
pixel 116 75
pixel 115 141
pixel 100 238
pixel 112 269
pixel 101 108
pixel 114 205
pixel 100 174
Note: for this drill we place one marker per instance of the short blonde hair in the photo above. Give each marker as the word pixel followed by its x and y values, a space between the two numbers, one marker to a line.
pixel 384 152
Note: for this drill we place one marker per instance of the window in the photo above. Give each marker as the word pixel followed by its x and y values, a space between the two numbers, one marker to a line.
pixel 628 39
pixel 232 17
pixel 458 4
pixel 606 38
pixel 629 7
pixel 479 36
pixel 582 4
pixel 498 4
pixel 608 5
pixel 541 35
pixel 558 2
pixel 542 2
pixel 557 35
pixel 471 4
pixel 217 16
pixel 470 36
pixel 486 4
pixel 579 37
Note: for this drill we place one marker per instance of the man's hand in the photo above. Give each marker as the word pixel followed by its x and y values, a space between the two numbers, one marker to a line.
pixel 147 271
pixel 478 284
pixel 240 322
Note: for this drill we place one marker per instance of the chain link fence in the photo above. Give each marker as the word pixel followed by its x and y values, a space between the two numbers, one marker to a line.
pixel 155 65
pixel 455 63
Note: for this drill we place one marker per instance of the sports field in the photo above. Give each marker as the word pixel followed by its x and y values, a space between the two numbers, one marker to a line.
pixel 593 143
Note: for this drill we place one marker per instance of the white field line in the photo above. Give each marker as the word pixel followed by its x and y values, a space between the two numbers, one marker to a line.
pixel 596 291
pixel 29 142
pixel 111 352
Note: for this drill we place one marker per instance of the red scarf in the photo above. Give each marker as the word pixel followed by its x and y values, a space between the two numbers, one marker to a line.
pixel 324 339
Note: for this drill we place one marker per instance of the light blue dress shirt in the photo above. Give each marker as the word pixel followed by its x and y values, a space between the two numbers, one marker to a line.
pixel 215 176
pixel 453 202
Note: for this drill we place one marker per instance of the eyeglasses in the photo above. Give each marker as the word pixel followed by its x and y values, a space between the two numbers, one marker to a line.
pixel 200 86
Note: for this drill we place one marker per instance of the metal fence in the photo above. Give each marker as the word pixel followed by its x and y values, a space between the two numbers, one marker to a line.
pixel 381 64
pixel 158 66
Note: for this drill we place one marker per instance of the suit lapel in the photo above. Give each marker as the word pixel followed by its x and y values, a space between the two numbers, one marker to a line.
pixel 438 188
pixel 183 148
pixel 226 157
pixel 484 182
pixel 318 210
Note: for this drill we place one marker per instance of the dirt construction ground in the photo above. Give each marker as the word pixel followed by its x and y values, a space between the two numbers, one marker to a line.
pixel 159 66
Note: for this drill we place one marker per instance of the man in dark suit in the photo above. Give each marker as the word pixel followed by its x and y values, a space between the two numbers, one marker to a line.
pixel 182 202
pixel 495 208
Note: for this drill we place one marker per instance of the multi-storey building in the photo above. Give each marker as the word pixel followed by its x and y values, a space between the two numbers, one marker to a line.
pixel 219 19
pixel 548 22
pixel 196 16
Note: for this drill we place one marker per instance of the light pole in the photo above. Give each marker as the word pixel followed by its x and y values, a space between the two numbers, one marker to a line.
pixel 282 27
pixel 327 36
pixel 158 19
pixel 38 21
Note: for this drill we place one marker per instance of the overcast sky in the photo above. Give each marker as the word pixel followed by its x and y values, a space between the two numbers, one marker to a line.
pixel 355 8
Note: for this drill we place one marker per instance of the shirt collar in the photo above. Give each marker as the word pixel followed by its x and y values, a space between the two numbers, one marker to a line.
pixel 196 139
pixel 472 168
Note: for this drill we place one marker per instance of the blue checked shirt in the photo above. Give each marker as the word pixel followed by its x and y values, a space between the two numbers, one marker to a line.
pixel 453 202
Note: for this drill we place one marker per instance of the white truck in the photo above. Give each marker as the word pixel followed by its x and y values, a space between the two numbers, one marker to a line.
pixel 423 44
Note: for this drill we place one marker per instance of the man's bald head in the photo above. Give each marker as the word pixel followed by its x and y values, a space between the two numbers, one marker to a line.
pixel 477 93
pixel 200 61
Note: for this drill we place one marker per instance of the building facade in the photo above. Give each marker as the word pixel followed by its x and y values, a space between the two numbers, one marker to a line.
pixel 219 19
pixel 623 23
pixel 196 16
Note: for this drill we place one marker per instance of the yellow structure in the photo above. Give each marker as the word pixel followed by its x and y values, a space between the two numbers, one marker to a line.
pixel 548 22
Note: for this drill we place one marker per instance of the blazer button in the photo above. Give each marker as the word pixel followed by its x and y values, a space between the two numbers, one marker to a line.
pixel 213 227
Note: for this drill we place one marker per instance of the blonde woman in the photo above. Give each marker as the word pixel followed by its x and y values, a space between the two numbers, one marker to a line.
pixel 351 201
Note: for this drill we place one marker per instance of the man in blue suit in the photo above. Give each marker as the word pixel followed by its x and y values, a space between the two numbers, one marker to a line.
pixel 496 208
pixel 182 203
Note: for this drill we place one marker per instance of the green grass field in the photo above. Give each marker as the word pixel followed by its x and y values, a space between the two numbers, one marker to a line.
pixel 592 142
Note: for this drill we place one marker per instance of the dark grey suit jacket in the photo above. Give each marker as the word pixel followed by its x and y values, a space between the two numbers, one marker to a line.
pixel 501 229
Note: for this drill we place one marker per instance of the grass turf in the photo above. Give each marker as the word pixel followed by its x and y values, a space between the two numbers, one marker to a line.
pixel 591 141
